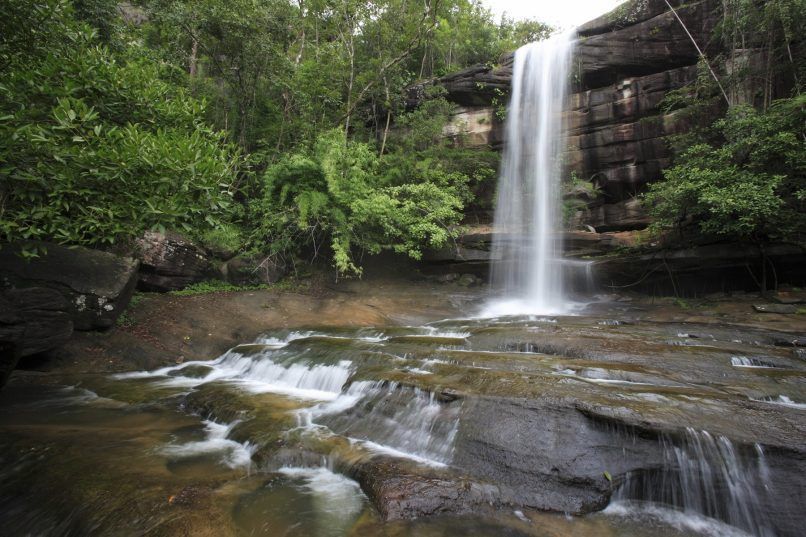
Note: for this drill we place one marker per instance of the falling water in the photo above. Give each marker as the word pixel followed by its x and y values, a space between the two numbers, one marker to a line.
pixel 708 475
pixel 526 251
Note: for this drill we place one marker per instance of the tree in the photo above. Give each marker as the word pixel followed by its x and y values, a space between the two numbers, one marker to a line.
pixel 748 185
pixel 97 146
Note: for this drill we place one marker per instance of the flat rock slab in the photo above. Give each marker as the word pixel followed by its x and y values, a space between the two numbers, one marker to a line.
pixel 775 308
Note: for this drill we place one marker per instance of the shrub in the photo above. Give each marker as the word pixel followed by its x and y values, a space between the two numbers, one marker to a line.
pixel 96 146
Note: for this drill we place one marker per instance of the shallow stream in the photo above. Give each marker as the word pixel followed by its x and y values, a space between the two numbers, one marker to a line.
pixel 619 425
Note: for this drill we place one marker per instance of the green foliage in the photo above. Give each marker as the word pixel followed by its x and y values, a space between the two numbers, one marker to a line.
pixel 248 124
pixel 467 34
pixel 749 186
pixel 125 319
pixel 770 31
pixel 575 192
pixel 223 238
pixel 342 194
pixel 97 146
pixel 218 286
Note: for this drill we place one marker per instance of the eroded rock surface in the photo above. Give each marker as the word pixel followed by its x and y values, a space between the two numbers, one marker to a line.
pixel 97 285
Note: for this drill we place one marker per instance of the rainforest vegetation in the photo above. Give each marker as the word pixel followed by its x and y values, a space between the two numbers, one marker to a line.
pixel 283 126
pixel 259 124
pixel 740 167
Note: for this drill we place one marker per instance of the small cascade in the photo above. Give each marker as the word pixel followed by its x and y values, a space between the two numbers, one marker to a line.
pixel 383 417
pixel 234 454
pixel 707 475
pixel 527 250
pixel 399 421
pixel 744 361
pixel 267 370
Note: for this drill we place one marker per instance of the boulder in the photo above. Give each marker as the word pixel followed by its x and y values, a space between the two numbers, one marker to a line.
pixel 253 270
pixel 97 285
pixel 171 261
pixel 32 320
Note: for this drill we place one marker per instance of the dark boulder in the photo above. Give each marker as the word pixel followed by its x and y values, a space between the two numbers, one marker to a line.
pixel 171 261
pixel 399 491
pixel 32 320
pixel 97 285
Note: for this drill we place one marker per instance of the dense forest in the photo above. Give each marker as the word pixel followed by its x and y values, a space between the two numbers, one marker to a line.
pixel 283 128
pixel 261 125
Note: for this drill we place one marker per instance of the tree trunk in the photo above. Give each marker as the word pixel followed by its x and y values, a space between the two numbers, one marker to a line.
pixel 194 55
pixel 388 105
pixel 764 261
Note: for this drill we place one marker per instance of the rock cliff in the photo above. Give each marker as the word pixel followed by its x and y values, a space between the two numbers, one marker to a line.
pixel 626 62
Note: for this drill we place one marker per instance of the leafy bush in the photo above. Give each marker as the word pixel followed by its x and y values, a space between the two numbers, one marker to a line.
pixel 342 194
pixel 752 186
pixel 224 238
pixel 97 146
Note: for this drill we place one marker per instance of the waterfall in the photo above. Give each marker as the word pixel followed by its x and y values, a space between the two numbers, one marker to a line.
pixel 527 250
pixel 708 475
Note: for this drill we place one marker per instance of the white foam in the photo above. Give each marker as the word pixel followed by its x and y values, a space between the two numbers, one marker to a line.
pixel 333 493
pixel 513 307
pixel 677 519
pixel 280 342
pixel 382 449
pixel 258 374
pixel 744 361
pixel 783 400
pixel 233 454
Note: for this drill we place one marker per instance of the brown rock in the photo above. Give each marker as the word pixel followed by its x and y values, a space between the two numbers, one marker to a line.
pixel 171 261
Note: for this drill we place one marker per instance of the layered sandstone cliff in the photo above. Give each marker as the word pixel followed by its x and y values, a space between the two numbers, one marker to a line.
pixel 626 63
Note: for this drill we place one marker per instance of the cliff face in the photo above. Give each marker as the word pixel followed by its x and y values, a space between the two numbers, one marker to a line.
pixel 626 62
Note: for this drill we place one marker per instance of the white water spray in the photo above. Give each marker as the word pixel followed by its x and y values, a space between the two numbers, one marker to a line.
pixel 527 250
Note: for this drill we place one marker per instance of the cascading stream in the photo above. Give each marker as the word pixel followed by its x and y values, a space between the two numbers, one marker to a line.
pixel 527 251
pixel 384 417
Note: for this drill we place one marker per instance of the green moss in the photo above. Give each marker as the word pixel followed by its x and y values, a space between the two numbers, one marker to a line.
pixel 218 286
pixel 126 319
